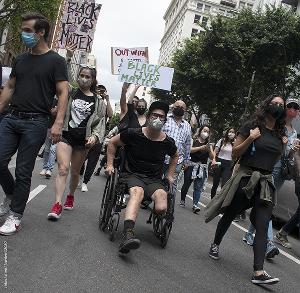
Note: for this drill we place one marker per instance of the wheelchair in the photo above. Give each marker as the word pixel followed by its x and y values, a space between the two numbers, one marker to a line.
pixel 113 202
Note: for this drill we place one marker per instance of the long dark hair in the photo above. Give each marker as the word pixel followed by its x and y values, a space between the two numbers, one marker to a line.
pixel 198 132
pixel 226 138
pixel 258 119
pixel 93 72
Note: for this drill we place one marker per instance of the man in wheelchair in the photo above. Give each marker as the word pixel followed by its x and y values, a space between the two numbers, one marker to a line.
pixel 145 151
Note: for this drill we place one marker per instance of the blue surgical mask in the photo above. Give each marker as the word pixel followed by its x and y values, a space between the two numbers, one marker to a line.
pixel 29 39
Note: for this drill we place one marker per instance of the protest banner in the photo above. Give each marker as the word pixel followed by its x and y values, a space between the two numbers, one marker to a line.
pixel 154 76
pixel 118 55
pixel 77 24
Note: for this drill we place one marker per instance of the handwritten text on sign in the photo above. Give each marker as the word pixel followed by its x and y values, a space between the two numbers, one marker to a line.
pixel 78 24
pixel 148 75
pixel 118 55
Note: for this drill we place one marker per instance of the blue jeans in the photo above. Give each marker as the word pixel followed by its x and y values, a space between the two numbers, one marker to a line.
pixel 198 185
pixel 49 154
pixel 278 182
pixel 25 136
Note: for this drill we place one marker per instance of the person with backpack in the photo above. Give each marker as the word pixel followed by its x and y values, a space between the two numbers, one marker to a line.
pixel 222 155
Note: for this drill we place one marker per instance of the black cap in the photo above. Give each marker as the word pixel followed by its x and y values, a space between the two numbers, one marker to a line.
pixel 159 105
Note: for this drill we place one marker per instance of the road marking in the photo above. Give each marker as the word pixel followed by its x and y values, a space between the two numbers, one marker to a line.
pixel 294 259
pixel 35 192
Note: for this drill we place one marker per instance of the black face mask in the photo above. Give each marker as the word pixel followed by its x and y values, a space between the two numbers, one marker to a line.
pixel 178 112
pixel 275 111
pixel 141 111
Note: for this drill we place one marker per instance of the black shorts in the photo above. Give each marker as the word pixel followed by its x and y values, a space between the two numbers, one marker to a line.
pixel 76 142
pixel 150 185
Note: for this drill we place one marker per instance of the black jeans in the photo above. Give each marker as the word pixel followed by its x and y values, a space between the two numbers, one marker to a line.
pixel 25 136
pixel 223 172
pixel 92 160
pixel 260 216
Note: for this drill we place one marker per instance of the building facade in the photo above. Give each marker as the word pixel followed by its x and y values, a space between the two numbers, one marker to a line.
pixel 185 18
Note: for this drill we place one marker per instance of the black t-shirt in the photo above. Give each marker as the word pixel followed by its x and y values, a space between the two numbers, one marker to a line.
pixel 200 156
pixel 264 152
pixel 83 107
pixel 36 77
pixel 130 119
pixel 144 156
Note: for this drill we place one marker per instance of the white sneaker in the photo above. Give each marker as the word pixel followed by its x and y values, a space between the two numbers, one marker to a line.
pixel 80 182
pixel 84 187
pixel 10 226
pixel 48 174
pixel 43 172
pixel 4 206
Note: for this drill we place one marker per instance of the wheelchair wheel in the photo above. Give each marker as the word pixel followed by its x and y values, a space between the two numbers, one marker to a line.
pixel 112 227
pixel 108 201
pixel 166 230
pixel 157 225
pixel 103 206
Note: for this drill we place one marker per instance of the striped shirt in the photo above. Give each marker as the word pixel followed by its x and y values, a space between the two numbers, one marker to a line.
pixel 182 135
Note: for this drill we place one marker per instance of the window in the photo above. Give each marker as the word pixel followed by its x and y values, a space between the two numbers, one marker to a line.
pixel 194 32
pixel 204 21
pixel 197 18
pixel 199 6
pixel 250 6
pixel 242 5
pixel 207 8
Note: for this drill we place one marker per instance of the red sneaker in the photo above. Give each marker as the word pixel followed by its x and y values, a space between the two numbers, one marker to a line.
pixel 69 202
pixel 55 212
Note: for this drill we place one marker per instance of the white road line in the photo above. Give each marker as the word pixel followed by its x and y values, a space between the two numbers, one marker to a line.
pixel 294 259
pixel 35 192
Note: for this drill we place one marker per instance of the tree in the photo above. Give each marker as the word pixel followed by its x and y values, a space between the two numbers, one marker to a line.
pixel 10 15
pixel 213 71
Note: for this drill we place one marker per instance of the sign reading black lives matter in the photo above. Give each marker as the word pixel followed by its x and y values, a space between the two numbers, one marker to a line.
pixel 149 75
pixel 78 24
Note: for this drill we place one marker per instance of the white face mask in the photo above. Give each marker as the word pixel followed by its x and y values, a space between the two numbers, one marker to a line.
pixel 204 135
pixel 156 124
pixel 231 135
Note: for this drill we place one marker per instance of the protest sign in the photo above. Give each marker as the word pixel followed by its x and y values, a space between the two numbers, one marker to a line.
pixel 154 76
pixel 118 55
pixel 77 24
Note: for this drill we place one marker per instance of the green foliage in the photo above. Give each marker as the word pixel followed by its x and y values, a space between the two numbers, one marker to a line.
pixel 45 7
pixel 213 70
pixel 113 121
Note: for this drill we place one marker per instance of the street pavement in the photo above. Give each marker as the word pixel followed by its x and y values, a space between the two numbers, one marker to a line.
pixel 73 255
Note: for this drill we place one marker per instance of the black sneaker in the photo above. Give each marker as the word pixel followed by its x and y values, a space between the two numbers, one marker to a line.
pixel 129 242
pixel 97 173
pixel 182 203
pixel 264 279
pixel 214 251
pixel 243 216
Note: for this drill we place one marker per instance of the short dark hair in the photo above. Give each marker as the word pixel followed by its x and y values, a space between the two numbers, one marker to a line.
pixel 135 97
pixel 41 22
pixel 101 86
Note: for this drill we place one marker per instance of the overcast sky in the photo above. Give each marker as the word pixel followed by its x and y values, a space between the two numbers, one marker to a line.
pixel 127 23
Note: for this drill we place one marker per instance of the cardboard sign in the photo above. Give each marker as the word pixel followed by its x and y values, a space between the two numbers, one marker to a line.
pixel 77 24
pixel 118 55
pixel 154 76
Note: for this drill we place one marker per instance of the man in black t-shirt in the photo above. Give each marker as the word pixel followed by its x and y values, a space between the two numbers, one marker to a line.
pixel 36 77
pixel 145 151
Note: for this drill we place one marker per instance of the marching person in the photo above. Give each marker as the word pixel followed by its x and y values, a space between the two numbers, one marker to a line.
pixel 197 171
pixel 180 130
pixel 36 77
pixel 223 155
pixel 84 125
pixel 94 153
pixel 259 145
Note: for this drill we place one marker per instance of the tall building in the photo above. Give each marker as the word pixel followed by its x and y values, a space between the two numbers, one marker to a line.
pixel 291 4
pixel 185 18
